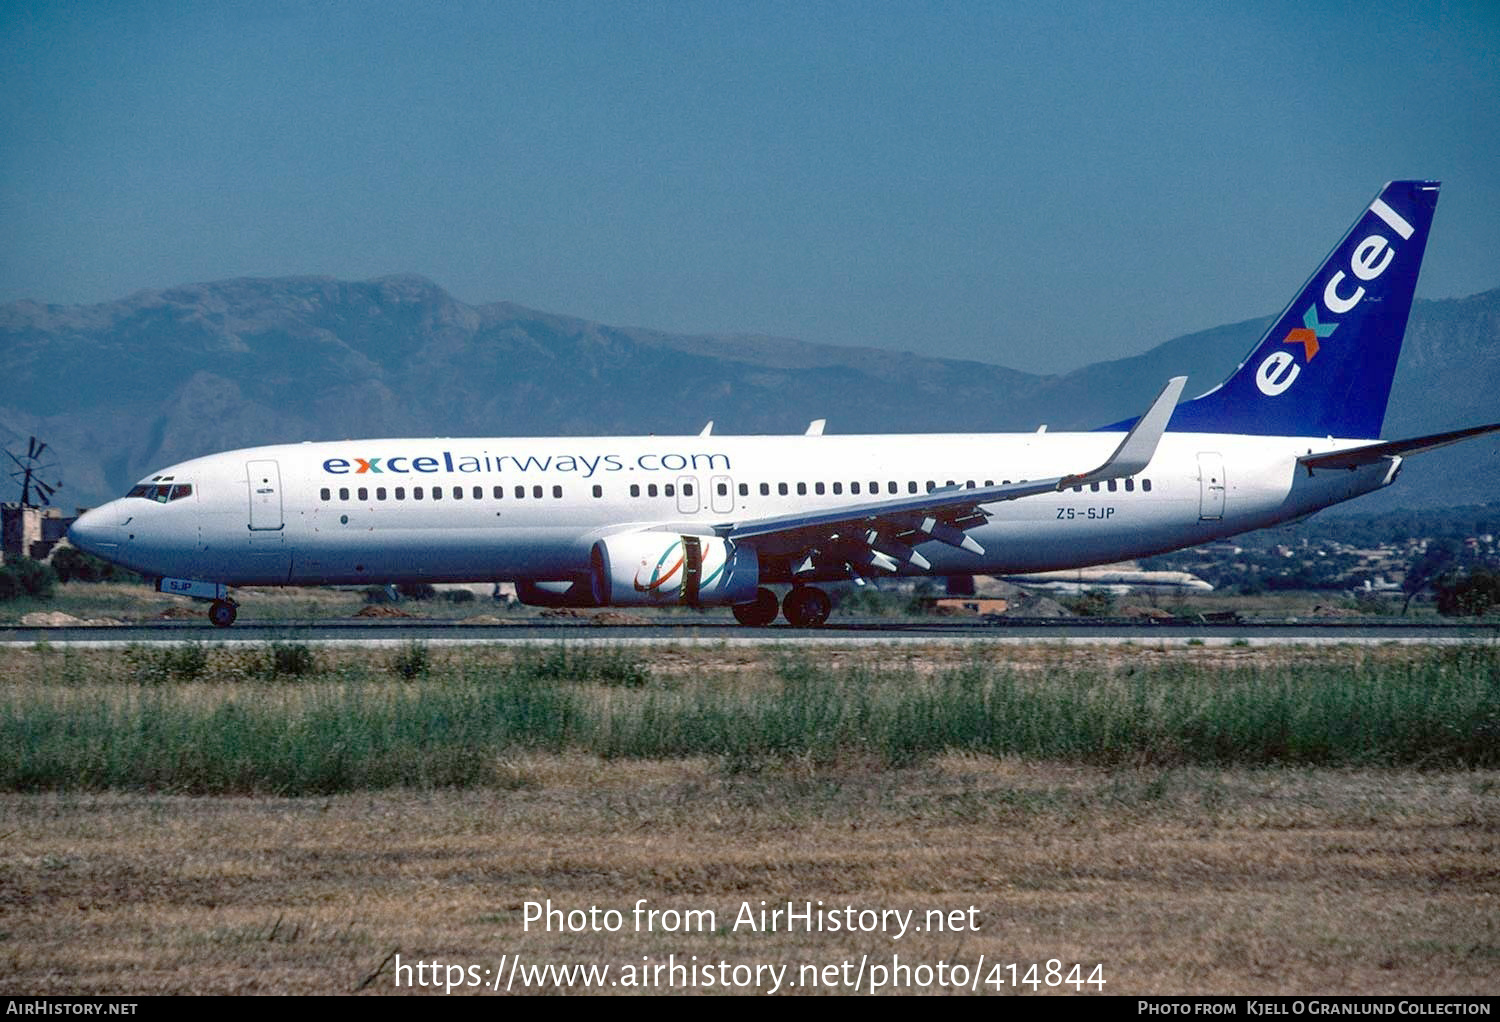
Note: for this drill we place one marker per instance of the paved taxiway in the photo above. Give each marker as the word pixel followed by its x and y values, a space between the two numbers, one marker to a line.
pixel 696 632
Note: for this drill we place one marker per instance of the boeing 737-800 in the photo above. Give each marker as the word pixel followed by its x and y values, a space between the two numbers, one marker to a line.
pixel 711 520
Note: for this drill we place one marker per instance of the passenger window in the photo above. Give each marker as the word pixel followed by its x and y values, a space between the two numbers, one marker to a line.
pixel 969 484
pixel 479 493
pixel 1078 488
pixel 400 493
pixel 838 488
pixel 323 494
pixel 931 486
pixel 1111 486
pixel 781 489
pixel 651 490
pixel 892 487
pixel 818 489
pixel 380 493
pixel 598 490
pixel 557 492
pixel 911 486
pixel 1146 485
pixel 988 483
pixel 801 489
pixel 1094 487
pixel 520 492
pixel 499 492
pixel 669 489
pixel 854 488
pixel 364 494
pixel 437 493
pixel 458 493
pixel 744 489
pixel 723 490
pixel 536 492
pixel 416 493
pixel 765 489
pixel 635 489
pixel 874 488
pixel 343 493
pixel 952 483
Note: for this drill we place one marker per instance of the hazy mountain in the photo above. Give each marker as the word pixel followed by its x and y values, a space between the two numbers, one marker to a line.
pixel 124 387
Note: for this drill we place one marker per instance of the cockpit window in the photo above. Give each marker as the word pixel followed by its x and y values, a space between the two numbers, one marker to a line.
pixel 162 493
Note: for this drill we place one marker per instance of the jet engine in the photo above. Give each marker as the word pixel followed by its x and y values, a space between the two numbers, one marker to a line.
pixel 659 568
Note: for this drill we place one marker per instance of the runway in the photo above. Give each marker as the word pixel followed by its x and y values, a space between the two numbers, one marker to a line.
pixel 686 631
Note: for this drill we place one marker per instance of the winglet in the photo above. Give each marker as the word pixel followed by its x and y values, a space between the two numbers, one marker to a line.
pixel 1139 446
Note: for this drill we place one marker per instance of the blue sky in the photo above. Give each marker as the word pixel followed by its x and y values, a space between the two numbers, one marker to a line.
pixel 1036 186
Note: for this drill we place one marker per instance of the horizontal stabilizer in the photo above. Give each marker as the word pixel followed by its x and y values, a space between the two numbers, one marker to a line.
pixel 1375 452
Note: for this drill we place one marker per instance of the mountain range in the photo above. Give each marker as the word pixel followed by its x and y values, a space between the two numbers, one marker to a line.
pixel 121 388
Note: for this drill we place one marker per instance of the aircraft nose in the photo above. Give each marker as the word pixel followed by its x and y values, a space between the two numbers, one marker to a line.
pixel 97 532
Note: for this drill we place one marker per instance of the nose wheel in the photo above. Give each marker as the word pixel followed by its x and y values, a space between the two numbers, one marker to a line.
pixel 806 607
pixel 223 612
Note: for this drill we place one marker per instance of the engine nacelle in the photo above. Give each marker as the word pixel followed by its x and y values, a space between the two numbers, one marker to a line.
pixel 659 568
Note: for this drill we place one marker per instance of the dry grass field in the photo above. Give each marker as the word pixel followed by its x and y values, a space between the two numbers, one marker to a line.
pixel 1175 877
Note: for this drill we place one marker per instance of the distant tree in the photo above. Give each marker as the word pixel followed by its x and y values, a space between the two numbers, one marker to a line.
pixel 1428 565
pixel 1468 594
pixel 26 578
pixel 73 565
pixel 1092 603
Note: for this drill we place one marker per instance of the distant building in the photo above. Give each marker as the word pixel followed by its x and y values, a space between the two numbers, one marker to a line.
pixel 32 531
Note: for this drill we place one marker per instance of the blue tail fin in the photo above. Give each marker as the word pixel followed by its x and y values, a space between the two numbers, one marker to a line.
pixel 1325 366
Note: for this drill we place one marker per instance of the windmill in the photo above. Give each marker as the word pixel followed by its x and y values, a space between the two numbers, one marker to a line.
pixel 30 471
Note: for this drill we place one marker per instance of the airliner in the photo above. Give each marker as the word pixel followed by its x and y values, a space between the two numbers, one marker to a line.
pixel 710 520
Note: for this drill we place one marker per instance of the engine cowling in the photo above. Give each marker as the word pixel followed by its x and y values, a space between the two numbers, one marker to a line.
pixel 660 568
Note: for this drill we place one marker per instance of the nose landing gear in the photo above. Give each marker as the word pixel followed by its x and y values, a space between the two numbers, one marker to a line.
pixel 223 612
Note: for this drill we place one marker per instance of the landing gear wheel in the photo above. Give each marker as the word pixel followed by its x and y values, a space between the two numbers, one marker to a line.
pixel 759 613
pixel 806 607
pixel 222 613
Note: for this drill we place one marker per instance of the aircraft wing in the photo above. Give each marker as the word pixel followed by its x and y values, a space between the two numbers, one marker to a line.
pixel 1372 453
pixel 882 533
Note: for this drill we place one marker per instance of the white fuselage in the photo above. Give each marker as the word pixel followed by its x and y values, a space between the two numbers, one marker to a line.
pixel 323 513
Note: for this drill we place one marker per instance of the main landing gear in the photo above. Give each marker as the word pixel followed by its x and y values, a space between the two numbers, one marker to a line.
pixel 223 612
pixel 759 613
pixel 804 607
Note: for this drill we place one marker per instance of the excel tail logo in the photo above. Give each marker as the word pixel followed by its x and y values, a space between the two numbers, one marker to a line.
pixel 1280 370
pixel 1366 261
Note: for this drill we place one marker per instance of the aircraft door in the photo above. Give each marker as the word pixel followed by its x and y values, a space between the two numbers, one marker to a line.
pixel 264 478
pixel 688 498
pixel 721 494
pixel 1211 486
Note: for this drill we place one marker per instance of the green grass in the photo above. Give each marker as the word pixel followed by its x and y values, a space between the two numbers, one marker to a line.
pixel 205 720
